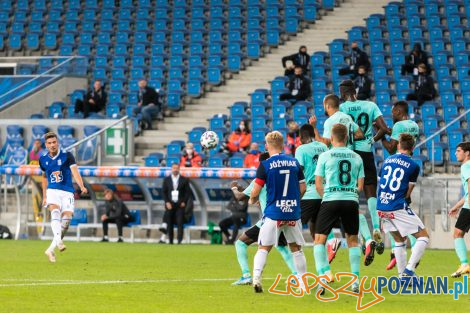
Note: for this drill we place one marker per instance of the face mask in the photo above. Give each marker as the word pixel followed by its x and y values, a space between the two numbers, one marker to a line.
pixel 189 151
pixel 355 49
pixel 242 127
pixel 254 152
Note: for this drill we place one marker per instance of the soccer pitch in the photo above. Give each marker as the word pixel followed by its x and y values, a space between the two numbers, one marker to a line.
pixel 111 277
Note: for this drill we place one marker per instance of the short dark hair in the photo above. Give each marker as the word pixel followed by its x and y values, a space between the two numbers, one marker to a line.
pixel 340 132
pixel 263 156
pixel 347 88
pixel 465 146
pixel 332 100
pixel 50 135
pixel 363 67
pixel 307 131
pixel 403 105
pixel 407 142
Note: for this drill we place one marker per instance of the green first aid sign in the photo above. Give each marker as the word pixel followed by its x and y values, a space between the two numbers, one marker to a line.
pixel 116 139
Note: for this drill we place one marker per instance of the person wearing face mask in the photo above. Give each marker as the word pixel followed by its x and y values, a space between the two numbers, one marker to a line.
pixel 94 102
pixel 363 84
pixel 358 58
pixel 293 138
pixel 424 87
pixel 190 157
pixel 176 194
pixel 299 87
pixel 415 58
pixel 239 140
pixel 300 59
pixel 252 159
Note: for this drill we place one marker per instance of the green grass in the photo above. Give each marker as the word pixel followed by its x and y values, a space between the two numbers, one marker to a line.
pixel 177 274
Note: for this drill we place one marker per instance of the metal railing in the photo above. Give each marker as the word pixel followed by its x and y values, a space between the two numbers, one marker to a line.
pixel 36 77
pixel 75 146
pixel 455 120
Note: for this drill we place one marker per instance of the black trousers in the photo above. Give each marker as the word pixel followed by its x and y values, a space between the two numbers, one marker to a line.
pixel 288 96
pixel 86 108
pixel 234 221
pixel 421 98
pixel 120 222
pixel 348 71
pixel 407 69
pixel 174 217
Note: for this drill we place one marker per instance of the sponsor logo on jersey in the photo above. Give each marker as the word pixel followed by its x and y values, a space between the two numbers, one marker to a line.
pixel 56 177
pixel 286 205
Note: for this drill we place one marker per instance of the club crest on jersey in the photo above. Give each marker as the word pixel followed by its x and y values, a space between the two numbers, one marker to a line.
pixel 59 162
pixel 56 177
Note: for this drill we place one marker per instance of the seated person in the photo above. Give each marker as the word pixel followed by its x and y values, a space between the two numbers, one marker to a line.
pixel 363 84
pixel 358 58
pixel 252 158
pixel 424 87
pixel 149 105
pixel 289 69
pixel 413 60
pixel 236 219
pixel 95 100
pixel 239 140
pixel 190 157
pixel 35 152
pixel 300 88
pixel 300 59
pixel 116 212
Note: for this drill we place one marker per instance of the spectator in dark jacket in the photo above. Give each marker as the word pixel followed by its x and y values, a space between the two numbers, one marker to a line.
pixel 363 84
pixel 299 86
pixel 116 212
pixel 415 58
pixel 237 218
pixel 149 104
pixel 95 100
pixel 176 193
pixel 358 58
pixel 301 59
pixel 424 87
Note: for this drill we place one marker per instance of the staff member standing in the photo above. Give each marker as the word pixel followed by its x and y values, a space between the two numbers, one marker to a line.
pixel 176 194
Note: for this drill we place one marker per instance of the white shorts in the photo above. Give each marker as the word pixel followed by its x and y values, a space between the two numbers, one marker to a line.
pixel 64 199
pixel 405 221
pixel 271 229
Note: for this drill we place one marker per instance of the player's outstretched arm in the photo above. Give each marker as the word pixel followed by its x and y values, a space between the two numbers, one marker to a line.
pixel 303 189
pixel 358 134
pixel 44 189
pixel 360 185
pixel 240 196
pixel 390 146
pixel 318 137
pixel 382 128
pixel 456 208
pixel 78 178
pixel 255 193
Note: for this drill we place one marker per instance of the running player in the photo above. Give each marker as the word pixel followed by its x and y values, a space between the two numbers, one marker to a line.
pixel 397 179
pixel 251 235
pixel 401 125
pixel 366 114
pixel 285 186
pixel 58 168
pixel 339 179
pixel 462 225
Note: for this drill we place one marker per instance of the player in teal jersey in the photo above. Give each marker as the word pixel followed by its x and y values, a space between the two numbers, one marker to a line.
pixel 401 125
pixel 339 179
pixel 366 114
pixel 251 235
pixel 462 225
pixel 331 105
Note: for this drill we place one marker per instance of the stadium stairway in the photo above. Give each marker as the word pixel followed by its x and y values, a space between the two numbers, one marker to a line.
pixel 330 26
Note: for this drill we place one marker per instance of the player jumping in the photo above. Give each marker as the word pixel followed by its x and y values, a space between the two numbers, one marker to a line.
pixel 339 179
pixel 463 222
pixel 58 192
pixel 397 179
pixel 366 114
pixel 401 125
pixel 252 234
pixel 285 186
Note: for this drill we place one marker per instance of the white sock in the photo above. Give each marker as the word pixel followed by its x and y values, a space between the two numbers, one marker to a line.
pixel 56 225
pixel 417 252
pixel 260 261
pixel 400 255
pixel 163 237
pixel 300 262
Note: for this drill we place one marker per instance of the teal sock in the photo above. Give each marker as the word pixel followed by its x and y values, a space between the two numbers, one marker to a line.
pixel 392 241
pixel 372 205
pixel 330 236
pixel 355 259
pixel 412 240
pixel 242 256
pixel 461 250
pixel 287 256
pixel 321 259
pixel 364 228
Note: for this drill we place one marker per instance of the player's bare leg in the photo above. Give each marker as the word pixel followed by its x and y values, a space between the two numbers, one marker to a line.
pixel 461 250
